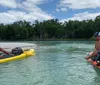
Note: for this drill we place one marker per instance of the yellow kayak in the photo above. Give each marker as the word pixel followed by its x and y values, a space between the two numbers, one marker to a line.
pixel 27 53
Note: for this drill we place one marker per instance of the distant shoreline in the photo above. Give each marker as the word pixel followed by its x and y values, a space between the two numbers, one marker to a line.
pixel 47 40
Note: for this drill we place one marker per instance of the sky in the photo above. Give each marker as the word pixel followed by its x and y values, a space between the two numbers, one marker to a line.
pixel 64 10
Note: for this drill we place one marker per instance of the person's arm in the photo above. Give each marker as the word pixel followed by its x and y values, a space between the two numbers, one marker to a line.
pixel 4 51
pixel 1 57
pixel 92 54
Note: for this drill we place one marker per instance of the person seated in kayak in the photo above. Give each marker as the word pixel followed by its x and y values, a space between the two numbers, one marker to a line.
pixel 95 55
pixel 15 51
pixel 5 52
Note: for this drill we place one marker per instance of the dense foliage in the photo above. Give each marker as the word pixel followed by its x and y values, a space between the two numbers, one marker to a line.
pixel 50 29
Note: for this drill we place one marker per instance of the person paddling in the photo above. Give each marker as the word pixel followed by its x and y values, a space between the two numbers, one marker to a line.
pixel 5 52
pixel 14 52
pixel 95 55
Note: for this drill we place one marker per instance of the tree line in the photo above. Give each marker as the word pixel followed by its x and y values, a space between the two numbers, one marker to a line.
pixel 50 29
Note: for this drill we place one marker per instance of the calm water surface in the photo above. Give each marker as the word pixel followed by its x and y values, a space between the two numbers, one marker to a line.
pixel 55 63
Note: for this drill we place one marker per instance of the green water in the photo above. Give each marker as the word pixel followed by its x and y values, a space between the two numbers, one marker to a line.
pixel 55 63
